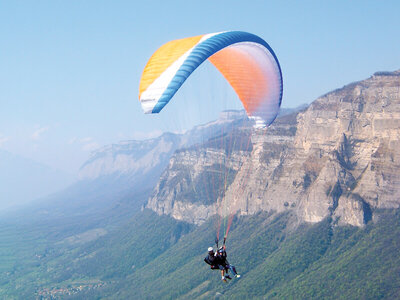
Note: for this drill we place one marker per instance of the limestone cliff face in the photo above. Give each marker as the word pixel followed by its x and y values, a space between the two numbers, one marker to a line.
pixel 223 172
pixel 356 131
pixel 196 178
pixel 339 157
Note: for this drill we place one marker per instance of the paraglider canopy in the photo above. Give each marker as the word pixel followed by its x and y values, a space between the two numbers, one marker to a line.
pixel 245 60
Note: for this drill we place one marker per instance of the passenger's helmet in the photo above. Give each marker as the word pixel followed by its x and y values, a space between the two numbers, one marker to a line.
pixel 210 249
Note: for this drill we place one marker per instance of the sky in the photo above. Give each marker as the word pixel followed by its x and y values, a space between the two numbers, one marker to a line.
pixel 70 70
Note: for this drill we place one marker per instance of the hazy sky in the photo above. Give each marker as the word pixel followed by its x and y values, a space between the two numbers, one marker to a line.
pixel 70 70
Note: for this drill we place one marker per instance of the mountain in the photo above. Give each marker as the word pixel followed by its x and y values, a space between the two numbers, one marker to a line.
pixel 23 180
pixel 339 157
pixel 316 195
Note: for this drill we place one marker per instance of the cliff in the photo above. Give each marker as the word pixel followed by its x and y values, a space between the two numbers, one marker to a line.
pixel 339 157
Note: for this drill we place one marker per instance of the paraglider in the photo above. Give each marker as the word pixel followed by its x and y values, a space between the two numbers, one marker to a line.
pixel 250 67
pixel 217 261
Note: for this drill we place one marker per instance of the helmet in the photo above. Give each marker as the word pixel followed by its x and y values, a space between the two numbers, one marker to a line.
pixel 210 249
pixel 221 250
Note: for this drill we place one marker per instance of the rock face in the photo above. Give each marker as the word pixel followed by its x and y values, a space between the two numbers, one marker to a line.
pixel 356 130
pixel 339 158
pixel 197 177
pixel 131 158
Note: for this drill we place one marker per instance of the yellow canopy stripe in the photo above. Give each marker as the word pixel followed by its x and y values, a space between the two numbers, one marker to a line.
pixel 165 56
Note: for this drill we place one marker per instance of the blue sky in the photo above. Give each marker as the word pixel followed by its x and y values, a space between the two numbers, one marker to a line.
pixel 70 70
